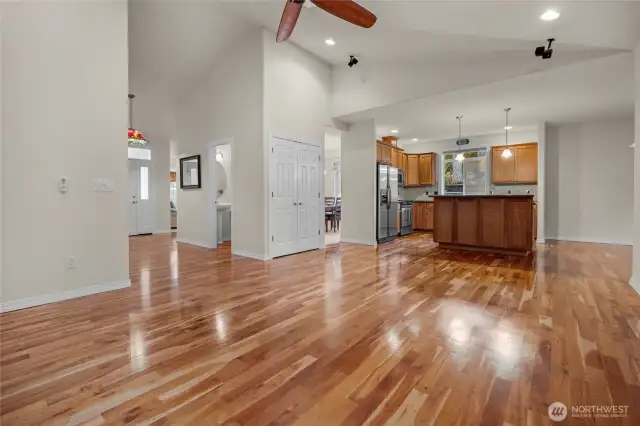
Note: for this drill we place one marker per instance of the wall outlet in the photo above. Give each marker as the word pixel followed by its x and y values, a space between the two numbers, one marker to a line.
pixel 72 263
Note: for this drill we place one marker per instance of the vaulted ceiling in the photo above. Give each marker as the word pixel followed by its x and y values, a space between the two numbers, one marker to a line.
pixel 419 57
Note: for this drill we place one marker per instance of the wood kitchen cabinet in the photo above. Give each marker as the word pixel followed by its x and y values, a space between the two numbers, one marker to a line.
pixel 411 175
pixel 390 155
pixel 404 164
pixel 385 156
pixel 502 224
pixel 418 216
pixel 423 215
pixel 395 159
pixel 420 169
pixel 521 167
pixel 429 216
pixel 427 169
pixel 526 163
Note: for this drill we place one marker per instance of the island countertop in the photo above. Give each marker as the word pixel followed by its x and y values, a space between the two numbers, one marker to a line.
pixel 499 223
pixel 486 196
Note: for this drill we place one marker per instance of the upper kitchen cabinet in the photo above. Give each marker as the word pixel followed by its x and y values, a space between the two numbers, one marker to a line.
pixel 396 158
pixel 521 167
pixel 420 169
pixel 388 153
pixel 427 169
pixel 527 163
pixel 383 153
pixel 411 174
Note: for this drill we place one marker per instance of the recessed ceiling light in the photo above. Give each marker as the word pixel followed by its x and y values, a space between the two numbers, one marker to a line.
pixel 394 130
pixel 415 139
pixel 508 127
pixel 330 42
pixel 549 15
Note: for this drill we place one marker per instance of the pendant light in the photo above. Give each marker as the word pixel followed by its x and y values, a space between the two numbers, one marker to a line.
pixel 134 136
pixel 507 152
pixel 460 156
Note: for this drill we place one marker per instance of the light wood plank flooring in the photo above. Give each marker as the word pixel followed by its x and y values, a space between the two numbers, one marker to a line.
pixel 403 334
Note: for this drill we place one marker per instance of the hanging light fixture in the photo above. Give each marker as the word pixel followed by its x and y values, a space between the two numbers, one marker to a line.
pixel 134 136
pixel 507 152
pixel 460 156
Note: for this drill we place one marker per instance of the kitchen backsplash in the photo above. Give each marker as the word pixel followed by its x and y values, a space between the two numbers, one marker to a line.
pixel 424 193
pixel 420 193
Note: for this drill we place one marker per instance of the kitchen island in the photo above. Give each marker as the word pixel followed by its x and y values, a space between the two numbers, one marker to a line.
pixel 497 223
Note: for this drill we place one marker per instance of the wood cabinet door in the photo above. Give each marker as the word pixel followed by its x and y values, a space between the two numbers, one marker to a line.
pixel 429 216
pixel 417 216
pixel 518 228
pixel 412 170
pixel 395 158
pixel 503 169
pixel 466 221
pixel 404 164
pixel 492 222
pixel 386 154
pixel 444 218
pixel 526 167
pixel 378 152
pixel 425 169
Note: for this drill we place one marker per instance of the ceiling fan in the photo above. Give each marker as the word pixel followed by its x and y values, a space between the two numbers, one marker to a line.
pixel 348 10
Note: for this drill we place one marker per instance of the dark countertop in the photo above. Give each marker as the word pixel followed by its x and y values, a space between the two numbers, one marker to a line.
pixel 487 196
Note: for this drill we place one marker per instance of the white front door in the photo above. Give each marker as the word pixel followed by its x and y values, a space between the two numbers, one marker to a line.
pixel 140 203
pixel 308 198
pixel 133 197
pixel 284 202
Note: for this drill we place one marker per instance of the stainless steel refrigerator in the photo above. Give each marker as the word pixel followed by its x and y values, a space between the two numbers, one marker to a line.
pixel 388 203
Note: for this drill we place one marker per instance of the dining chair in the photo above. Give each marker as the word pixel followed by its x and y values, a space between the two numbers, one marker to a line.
pixel 329 212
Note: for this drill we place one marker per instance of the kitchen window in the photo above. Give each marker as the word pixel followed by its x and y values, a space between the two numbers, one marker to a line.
pixel 466 177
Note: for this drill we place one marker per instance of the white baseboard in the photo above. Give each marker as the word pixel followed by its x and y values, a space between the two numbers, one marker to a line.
pixel 14 305
pixel 192 242
pixel 163 231
pixel 356 241
pixel 250 255
pixel 592 240
pixel 541 241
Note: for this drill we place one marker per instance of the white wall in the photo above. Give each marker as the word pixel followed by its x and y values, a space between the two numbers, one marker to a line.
pixel 332 142
pixel 60 106
pixel 359 184
pixel 228 103
pixel 370 85
pixel 636 155
pixel 297 92
pixel 589 184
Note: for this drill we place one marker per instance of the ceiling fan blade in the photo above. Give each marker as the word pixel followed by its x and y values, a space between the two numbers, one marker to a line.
pixel 348 10
pixel 288 21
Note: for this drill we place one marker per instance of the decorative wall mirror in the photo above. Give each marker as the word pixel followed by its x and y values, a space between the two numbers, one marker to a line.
pixel 190 175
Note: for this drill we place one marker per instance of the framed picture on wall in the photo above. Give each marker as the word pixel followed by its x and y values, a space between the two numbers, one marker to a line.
pixel 190 175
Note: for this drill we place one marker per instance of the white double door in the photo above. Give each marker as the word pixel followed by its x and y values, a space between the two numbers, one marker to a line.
pixel 140 207
pixel 295 197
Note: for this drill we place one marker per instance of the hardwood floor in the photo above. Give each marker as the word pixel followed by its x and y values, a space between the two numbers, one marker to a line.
pixel 403 334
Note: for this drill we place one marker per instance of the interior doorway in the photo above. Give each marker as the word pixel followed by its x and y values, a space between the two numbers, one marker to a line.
pixel 332 187
pixel 141 221
pixel 220 194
